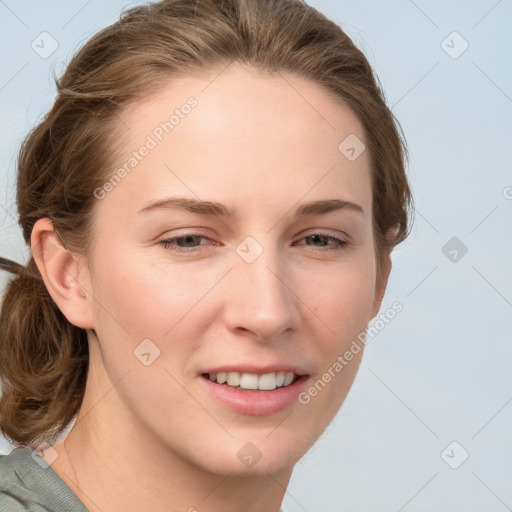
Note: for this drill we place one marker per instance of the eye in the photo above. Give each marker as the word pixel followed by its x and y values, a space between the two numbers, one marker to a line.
pixel 184 244
pixel 336 245
pixel 190 242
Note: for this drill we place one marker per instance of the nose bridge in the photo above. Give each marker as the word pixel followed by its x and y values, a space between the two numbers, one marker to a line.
pixel 262 301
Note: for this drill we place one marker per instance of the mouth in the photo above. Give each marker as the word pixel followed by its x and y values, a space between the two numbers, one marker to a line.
pixel 254 391
pixel 252 381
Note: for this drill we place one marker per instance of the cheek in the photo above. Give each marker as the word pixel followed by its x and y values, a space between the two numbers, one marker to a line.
pixel 346 310
pixel 342 299
pixel 144 299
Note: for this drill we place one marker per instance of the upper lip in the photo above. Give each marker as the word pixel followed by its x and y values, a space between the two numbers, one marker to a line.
pixel 258 370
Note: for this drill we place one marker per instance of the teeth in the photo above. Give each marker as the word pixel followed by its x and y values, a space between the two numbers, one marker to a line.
pixel 233 379
pixel 249 381
pixel 268 381
pixel 265 382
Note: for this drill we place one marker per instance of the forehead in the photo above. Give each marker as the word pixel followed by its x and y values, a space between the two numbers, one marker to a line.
pixel 239 134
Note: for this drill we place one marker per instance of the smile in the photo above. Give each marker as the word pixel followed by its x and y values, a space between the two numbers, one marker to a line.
pixel 253 381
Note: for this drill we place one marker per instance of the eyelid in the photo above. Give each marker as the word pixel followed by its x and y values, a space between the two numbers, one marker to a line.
pixel 191 231
pixel 338 242
pixel 182 232
pixel 325 232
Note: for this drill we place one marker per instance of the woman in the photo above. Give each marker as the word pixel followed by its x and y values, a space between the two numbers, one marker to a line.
pixel 211 205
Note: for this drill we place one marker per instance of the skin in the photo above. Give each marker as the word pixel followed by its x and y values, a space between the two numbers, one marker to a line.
pixel 151 437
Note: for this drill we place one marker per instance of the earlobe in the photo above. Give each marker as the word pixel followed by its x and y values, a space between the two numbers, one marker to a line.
pixel 64 273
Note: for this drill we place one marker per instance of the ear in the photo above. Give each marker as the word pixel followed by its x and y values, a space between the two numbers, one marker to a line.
pixel 385 269
pixel 65 274
pixel 380 285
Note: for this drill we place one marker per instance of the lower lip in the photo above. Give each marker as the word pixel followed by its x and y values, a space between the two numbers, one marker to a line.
pixel 255 402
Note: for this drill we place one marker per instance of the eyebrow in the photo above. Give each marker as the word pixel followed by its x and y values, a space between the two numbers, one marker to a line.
pixel 213 208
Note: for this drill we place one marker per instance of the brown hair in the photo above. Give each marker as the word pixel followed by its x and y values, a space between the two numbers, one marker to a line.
pixel 44 358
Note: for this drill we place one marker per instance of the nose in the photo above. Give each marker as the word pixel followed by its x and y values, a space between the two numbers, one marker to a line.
pixel 260 301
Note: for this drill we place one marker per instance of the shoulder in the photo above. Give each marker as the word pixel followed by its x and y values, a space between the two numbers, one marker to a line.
pixel 14 496
pixel 29 484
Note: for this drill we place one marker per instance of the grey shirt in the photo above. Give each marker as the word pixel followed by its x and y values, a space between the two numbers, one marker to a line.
pixel 28 483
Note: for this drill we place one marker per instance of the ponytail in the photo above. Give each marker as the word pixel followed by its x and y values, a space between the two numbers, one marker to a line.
pixel 43 360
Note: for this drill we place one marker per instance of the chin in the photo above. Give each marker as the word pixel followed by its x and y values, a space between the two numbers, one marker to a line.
pixel 253 456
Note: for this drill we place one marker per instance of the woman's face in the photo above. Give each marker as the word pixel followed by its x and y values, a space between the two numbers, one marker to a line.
pixel 239 280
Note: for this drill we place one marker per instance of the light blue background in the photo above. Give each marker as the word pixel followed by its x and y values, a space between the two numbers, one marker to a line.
pixel 441 370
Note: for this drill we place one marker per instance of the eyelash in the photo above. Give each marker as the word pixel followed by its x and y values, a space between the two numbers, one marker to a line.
pixel 169 244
